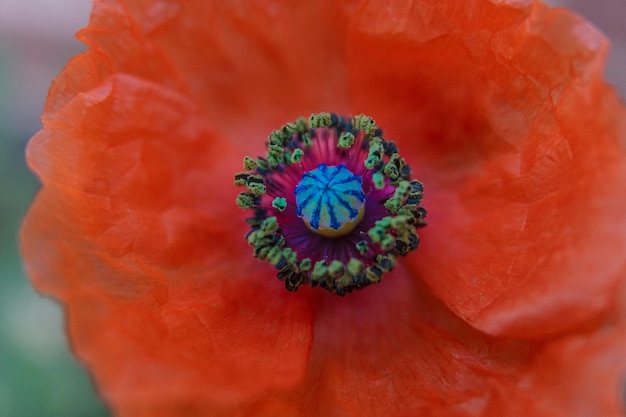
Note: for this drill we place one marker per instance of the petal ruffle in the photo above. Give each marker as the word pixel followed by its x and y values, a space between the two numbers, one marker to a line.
pixel 233 59
pixel 520 146
pixel 129 233
pixel 399 351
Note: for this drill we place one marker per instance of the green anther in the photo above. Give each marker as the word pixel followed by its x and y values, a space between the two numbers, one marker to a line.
pixel 249 163
pixel 391 170
pixel 371 276
pixel 362 247
pixel 256 188
pixel 375 231
pixel 375 153
pixel 355 267
pixel 406 211
pixel 344 281
pixel 290 256
pixel 245 200
pixel 412 214
pixel 335 268
pixel 375 235
pixel 269 225
pixel 275 154
pixel 253 238
pixel 306 139
pixel 403 188
pixel 397 161
pixel 263 252
pixel 274 161
pixel 279 203
pixel 305 264
pixel 346 140
pixel 394 203
pixel 365 123
pixel 241 178
pixel 387 242
pixel 279 137
pixel 259 241
pixel 379 180
pixel 275 149
pixel 290 129
pixel 297 155
pixel 384 223
pixel 378 234
pixel 301 126
pixel 262 164
pixel 251 178
pixel 393 260
pixel 320 270
pixel 275 139
pixel 386 263
pixel 320 120
pixel 274 255
pixel 399 222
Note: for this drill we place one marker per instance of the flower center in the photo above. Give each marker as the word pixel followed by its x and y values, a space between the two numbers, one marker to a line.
pixel 333 203
pixel 330 200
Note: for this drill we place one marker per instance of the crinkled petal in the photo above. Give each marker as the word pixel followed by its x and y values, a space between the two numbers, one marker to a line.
pixel 129 232
pixel 400 351
pixel 520 145
pixel 233 58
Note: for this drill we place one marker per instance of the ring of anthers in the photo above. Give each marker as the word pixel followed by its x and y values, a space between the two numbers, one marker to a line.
pixel 333 203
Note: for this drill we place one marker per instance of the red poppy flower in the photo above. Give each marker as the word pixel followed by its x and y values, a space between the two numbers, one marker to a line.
pixel 513 304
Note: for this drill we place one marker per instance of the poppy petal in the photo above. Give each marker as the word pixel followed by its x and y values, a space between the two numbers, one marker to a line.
pixel 285 60
pixel 521 149
pixel 126 233
pixel 399 351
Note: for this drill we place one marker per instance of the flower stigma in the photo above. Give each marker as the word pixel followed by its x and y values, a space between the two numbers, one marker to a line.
pixel 332 202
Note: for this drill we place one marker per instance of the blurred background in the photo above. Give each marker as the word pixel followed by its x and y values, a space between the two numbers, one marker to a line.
pixel 38 376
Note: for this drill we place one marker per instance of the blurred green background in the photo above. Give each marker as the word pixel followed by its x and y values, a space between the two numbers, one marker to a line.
pixel 38 376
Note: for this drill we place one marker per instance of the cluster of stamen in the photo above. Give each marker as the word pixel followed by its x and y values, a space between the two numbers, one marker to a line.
pixel 332 203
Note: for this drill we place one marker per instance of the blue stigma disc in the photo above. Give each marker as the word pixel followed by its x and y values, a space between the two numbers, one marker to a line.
pixel 330 200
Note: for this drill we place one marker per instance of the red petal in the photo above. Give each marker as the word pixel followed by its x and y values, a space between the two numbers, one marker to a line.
pixel 230 58
pixel 520 146
pixel 399 351
pixel 130 233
